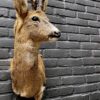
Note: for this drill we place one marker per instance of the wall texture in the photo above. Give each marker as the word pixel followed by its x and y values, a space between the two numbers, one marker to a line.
pixel 73 62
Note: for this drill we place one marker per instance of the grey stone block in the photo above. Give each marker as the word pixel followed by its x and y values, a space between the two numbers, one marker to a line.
pixel 53 82
pixel 69 62
pixel 86 3
pixel 80 53
pixel 94 24
pixel 4 67
pixel 83 70
pixel 6 43
pixel 78 37
pixel 59 92
pixel 73 80
pixel 68 45
pixel 6 3
pixel 58 4
pixel 50 62
pixel 93 10
pixel 96 53
pixel 88 31
pixel 65 13
pixel 74 7
pixel 57 20
pixel 95 96
pixel 11 32
pixel 55 72
pixel 95 38
pixel 77 22
pixel 50 10
pixel 4 75
pixel 90 46
pixel 6 22
pixel 71 1
pixel 68 28
pixel 55 53
pixel 3 32
pixel 93 78
pixel 5 87
pixel 48 45
pixel 5 63
pixel 80 8
pixel 87 16
pixel 77 97
pixel 12 13
pixel 97 69
pixel 85 88
pixel 97 4
pixel 4 53
pixel 67 90
pixel 3 12
pixel 6 96
pixel 53 92
pixel 91 61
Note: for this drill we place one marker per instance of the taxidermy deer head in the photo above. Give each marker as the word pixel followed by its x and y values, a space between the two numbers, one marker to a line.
pixel 31 28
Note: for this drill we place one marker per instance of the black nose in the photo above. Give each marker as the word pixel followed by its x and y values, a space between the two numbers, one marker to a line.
pixel 57 34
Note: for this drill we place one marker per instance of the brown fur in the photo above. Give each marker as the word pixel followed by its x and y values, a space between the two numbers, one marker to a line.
pixel 27 68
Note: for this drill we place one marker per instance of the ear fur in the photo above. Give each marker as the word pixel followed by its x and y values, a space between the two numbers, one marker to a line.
pixel 21 7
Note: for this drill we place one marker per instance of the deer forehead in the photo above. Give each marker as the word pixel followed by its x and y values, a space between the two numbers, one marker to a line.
pixel 37 13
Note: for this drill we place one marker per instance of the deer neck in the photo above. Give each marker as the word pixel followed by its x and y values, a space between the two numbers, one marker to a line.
pixel 27 54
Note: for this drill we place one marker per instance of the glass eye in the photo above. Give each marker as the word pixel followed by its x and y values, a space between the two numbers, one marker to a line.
pixel 35 18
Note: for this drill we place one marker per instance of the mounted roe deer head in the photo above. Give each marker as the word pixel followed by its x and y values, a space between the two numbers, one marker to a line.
pixel 31 28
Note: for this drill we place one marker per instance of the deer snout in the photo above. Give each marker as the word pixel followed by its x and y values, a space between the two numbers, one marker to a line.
pixel 55 34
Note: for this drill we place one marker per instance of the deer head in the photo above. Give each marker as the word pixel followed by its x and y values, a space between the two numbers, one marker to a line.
pixel 33 24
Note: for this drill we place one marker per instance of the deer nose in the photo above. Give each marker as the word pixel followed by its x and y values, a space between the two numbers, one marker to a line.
pixel 57 34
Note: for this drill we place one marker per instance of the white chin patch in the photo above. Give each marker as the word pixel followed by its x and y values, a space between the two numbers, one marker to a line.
pixel 53 39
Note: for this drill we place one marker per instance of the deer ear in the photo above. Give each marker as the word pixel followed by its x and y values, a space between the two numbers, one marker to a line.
pixel 21 7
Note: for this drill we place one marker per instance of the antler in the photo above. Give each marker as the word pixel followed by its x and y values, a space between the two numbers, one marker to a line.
pixel 39 4
pixel 44 4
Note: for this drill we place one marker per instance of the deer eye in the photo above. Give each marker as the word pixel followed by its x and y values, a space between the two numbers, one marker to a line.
pixel 35 18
